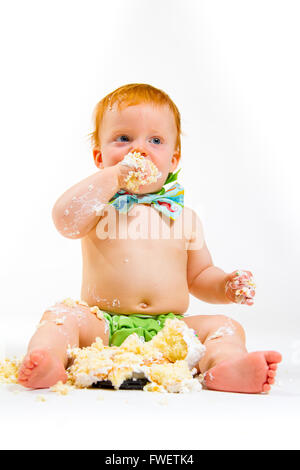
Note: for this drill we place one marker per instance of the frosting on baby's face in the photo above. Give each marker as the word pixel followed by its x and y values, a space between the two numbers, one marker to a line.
pixel 145 128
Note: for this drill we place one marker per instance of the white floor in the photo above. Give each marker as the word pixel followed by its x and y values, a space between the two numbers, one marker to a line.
pixel 103 419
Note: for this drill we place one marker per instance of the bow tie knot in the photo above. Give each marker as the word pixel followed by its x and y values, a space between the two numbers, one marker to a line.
pixel 168 201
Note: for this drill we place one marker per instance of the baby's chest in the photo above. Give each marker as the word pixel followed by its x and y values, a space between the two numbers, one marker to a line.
pixel 141 222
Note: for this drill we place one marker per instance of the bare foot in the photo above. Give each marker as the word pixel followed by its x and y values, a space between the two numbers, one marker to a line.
pixel 252 373
pixel 41 369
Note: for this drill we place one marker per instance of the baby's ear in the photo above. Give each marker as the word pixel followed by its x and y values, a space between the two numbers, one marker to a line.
pixel 97 158
pixel 175 160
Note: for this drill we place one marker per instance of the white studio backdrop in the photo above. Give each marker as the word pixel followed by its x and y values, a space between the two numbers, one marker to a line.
pixel 231 67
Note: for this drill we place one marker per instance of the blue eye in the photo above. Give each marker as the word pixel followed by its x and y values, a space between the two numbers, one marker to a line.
pixel 157 139
pixel 122 136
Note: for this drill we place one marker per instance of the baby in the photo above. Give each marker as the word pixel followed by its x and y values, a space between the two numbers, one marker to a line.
pixel 143 253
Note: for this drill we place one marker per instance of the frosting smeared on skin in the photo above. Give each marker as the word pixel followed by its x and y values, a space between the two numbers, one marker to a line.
pixel 114 303
pixel 242 287
pixel 82 207
pixel 222 331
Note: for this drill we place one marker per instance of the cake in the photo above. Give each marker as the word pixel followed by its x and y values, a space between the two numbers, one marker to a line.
pixel 167 361
pixel 138 174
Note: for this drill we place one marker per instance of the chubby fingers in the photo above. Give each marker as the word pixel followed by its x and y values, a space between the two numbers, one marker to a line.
pixel 240 287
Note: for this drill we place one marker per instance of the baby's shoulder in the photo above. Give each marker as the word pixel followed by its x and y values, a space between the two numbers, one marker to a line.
pixel 190 215
pixel 193 228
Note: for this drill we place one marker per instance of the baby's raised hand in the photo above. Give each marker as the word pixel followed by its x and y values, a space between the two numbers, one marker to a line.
pixel 240 288
pixel 137 170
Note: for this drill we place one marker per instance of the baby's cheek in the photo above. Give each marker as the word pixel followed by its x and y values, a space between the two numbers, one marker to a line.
pixel 163 172
pixel 114 160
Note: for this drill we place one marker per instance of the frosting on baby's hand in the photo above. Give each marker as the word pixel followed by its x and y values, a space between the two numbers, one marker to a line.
pixel 240 287
pixel 142 171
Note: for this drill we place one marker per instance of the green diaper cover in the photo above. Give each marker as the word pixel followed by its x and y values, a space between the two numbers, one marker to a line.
pixel 145 326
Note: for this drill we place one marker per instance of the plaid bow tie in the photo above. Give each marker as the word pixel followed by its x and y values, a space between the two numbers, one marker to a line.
pixel 168 201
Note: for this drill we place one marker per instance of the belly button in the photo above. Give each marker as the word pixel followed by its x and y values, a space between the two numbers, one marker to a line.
pixel 143 305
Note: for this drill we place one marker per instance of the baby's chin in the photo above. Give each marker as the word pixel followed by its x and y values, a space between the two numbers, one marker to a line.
pixel 149 188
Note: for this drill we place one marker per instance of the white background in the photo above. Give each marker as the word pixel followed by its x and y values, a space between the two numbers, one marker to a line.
pixel 232 68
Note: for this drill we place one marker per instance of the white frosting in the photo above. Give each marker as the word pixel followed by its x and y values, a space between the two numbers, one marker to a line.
pixel 98 208
pixel 196 349
pixel 140 167
pixel 185 386
pixel 222 331
pixel 128 160
pixel 86 380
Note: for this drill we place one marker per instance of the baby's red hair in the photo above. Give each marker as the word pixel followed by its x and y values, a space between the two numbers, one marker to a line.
pixel 130 95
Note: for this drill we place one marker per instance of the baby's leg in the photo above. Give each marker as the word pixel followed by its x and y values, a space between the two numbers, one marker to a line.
pixel 61 326
pixel 227 365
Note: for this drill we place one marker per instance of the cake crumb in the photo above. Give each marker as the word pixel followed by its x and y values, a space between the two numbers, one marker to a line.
pixel 68 301
pixel 200 377
pixel 154 387
pixel 9 370
pixel 40 398
pixel 82 302
pixel 96 310
pixel 61 388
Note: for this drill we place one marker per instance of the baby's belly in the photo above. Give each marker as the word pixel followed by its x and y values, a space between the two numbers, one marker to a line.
pixel 135 276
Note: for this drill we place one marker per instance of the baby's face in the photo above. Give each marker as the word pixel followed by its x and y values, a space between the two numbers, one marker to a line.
pixel 145 128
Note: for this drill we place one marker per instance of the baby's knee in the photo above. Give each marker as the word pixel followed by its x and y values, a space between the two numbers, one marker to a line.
pixel 225 324
pixel 66 310
pixel 77 316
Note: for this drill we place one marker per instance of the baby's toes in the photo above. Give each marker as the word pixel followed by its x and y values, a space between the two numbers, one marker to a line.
pixel 28 364
pixel 36 357
pixel 27 372
pixel 24 374
pixel 266 387
pixel 273 366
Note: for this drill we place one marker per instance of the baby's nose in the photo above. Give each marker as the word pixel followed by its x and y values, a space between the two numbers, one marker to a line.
pixel 139 150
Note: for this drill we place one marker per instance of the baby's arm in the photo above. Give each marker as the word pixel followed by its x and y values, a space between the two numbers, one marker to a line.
pixel 206 281
pixel 79 209
pixel 210 283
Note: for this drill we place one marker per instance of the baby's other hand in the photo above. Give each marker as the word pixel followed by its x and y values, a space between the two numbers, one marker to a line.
pixel 240 288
